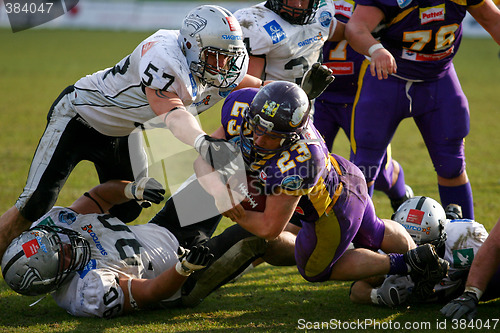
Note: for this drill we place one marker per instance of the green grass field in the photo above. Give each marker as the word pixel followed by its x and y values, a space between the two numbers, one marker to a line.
pixel 36 65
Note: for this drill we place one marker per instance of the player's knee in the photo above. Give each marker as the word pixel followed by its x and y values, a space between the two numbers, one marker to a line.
pixel 450 169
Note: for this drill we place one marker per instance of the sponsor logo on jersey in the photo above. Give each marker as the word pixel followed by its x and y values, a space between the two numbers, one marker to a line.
pixel 403 3
pixel 197 22
pixel 344 8
pixel 233 23
pixel 194 86
pixel 315 39
pixel 67 217
pixel 47 221
pixel 292 183
pixel 275 31
pixel 432 14
pixel 341 68
pixel 270 108
pixel 415 56
pixel 325 18
pixel 31 248
pixel 97 242
pixel 146 47
pixel 415 216
pixel 263 176
pixel 205 101
pixel 90 266
pixel 299 210
pixel 462 258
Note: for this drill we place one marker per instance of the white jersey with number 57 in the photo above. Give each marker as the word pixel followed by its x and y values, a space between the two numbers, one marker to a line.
pixel 117 250
pixel 289 49
pixel 113 100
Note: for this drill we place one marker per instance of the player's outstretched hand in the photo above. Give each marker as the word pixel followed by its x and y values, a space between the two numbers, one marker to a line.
pixel 465 305
pixel 194 259
pixel 316 80
pixel 220 154
pixel 146 190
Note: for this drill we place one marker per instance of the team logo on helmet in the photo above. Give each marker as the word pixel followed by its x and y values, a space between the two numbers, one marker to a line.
pixel 197 22
pixel 297 116
pixel 270 108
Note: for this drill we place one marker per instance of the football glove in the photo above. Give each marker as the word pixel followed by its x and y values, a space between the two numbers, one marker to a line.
pixel 194 259
pixel 466 304
pixel 394 291
pixel 219 153
pixel 316 80
pixel 145 190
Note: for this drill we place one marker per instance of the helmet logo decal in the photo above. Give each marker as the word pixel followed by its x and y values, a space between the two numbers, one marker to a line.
pixel 29 277
pixel 270 108
pixel 197 22
pixel 233 23
pixel 31 248
pixel 297 117
pixel 415 216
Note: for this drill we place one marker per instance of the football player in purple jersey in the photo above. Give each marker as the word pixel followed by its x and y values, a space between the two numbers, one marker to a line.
pixel 412 75
pixel 295 170
pixel 333 108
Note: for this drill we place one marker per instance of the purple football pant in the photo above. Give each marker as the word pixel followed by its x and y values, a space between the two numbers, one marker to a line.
pixel 439 109
pixel 329 117
pixel 352 219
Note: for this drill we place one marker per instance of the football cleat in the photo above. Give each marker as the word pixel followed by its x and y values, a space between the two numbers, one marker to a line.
pixel 453 212
pixel 398 202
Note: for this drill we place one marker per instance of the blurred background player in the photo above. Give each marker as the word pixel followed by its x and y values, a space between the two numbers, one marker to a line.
pixel 333 108
pixel 456 240
pixel 412 75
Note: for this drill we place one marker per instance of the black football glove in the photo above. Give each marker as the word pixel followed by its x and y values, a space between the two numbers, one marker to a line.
pixel 461 306
pixel 146 190
pixel 316 80
pixel 219 153
pixel 194 259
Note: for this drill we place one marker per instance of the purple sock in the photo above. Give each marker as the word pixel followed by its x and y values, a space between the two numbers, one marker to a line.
pixel 398 265
pixel 398 190
pixel 460 195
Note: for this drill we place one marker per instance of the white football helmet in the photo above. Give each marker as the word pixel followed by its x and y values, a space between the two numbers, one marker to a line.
pixel 424 219
pixel 40 259
pixel 212 41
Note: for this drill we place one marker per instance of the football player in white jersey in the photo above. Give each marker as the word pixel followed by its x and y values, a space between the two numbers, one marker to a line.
pixel 456 240
pixel 173 74
pixel 97 266
pixel 284 38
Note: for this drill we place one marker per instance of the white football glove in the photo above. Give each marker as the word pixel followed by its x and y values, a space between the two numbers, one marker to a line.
pixel 394 291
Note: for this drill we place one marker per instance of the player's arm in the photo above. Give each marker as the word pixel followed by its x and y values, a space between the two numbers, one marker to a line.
pixel 226 201
pixel 337 32
pixel 358 33
pixel 256 66
pixel 141 293
pixel 272 221
pixel 104 196
pixel 179 121
pixel 251 81
pixel 488 15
